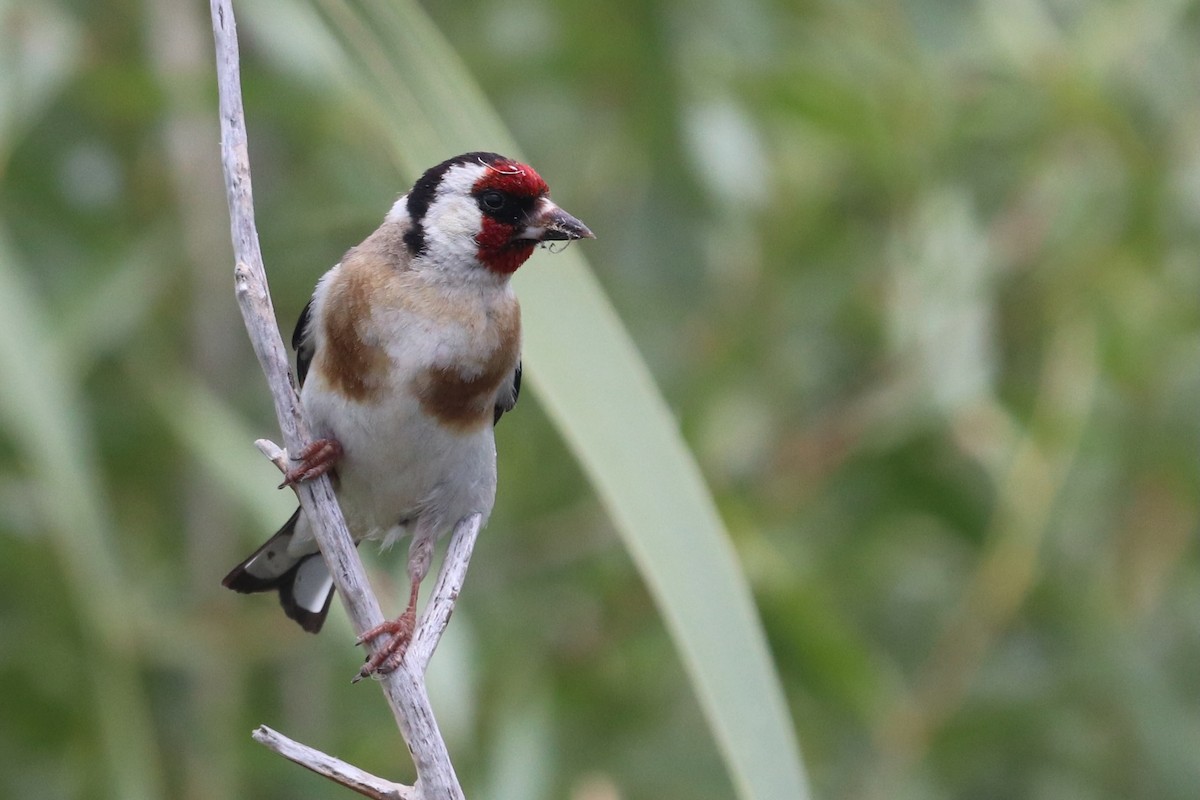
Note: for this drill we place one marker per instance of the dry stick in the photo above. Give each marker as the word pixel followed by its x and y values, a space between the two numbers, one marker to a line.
pixel 405 687
pixel 335 769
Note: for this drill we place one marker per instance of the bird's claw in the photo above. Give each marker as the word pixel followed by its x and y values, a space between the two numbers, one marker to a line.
pixel 317 458
pixel 390 655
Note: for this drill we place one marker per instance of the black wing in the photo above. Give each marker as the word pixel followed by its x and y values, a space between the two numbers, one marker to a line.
pixel 302 343
pixel 507 399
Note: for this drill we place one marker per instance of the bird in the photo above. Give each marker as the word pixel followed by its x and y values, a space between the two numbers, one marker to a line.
pixel 407 355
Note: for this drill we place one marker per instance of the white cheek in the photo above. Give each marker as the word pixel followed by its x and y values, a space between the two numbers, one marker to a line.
pixel 457 220
pixel 450 228
pixel 453 220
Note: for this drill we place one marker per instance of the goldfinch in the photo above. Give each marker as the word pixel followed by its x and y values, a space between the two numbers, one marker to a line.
pixel 408 354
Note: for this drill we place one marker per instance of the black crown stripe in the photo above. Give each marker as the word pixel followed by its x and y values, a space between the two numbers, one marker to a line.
pixel 425 189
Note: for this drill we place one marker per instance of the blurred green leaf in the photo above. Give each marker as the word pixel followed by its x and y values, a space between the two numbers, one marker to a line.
pixel 33 64
pixel 218 438
pixel 41 410
pixel 107 312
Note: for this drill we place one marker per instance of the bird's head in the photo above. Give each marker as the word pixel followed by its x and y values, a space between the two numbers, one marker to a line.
pixel 482 210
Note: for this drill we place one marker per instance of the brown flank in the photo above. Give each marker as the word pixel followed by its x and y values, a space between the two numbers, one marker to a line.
pixel 354 367
pixel 466 403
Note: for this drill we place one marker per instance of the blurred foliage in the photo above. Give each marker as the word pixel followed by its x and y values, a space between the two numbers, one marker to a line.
pixel 920 281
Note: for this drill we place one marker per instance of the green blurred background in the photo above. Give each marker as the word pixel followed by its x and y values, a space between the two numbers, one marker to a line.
pixel 919 280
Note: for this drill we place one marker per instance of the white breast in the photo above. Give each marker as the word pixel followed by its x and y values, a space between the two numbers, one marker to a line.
pixel 400 463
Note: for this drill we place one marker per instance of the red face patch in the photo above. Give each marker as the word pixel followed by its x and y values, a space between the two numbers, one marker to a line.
pixel 498 251
pixel 519 188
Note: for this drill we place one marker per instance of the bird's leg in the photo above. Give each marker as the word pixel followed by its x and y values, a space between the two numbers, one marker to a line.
pixel 317 458
pixel 391 653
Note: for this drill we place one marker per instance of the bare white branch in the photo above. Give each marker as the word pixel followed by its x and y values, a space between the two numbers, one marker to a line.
pixel 405 687
pixel 445 593
pixel 335 769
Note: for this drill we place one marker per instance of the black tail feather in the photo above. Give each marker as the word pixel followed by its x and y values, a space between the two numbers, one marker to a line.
pixel 240 579
pixel 311 621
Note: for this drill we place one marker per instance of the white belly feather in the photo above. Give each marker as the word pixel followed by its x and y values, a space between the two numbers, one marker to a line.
pixel 400 464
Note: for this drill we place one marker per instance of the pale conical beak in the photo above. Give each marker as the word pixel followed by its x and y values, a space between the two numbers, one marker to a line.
pixel 551 223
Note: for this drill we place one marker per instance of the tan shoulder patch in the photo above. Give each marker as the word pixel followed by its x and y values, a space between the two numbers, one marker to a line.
pixel 463 396
pixel 353 365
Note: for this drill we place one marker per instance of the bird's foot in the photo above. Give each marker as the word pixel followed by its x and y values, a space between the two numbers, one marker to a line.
pixel 388 657
pixel 317 458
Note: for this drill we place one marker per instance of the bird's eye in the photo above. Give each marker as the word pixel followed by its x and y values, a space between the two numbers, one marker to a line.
pixel 492 200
